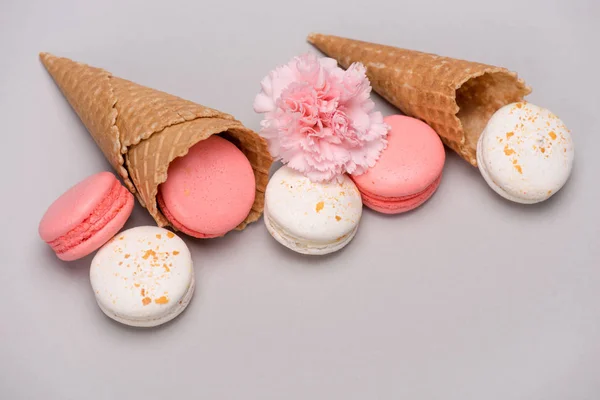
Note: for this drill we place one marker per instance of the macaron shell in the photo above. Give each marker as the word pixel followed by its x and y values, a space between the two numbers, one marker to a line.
pixel 525 153
pixel 413 160
pixel 102 236
pixel 313 213
pixel 178 225
pixel 75 205
pixel 142 276
pixel 211 190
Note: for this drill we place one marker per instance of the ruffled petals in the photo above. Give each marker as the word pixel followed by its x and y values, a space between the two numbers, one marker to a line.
pixel 318 118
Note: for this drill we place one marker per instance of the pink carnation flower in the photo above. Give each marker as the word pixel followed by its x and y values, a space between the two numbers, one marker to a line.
pixel 319 119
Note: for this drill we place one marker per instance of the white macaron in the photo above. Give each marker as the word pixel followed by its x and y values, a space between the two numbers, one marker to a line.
pixel 143 277
pixel 308 217
pixel 525 153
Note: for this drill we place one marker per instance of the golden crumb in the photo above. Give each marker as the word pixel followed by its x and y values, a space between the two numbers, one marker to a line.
pixel 319 206
pixel 149 253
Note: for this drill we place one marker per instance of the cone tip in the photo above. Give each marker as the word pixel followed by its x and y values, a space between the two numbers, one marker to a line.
pixel 312 37
pixel 45 56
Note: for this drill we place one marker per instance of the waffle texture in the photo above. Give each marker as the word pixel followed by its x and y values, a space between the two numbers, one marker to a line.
pixel 455 97
pixel 142 130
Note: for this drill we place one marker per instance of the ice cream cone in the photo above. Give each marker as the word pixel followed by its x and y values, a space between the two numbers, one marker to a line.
pixel 142 130
pixel 455 97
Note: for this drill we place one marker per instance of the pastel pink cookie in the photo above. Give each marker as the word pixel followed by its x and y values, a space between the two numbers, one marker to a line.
pixel 210 190
pixel 408 171
pixel 86 216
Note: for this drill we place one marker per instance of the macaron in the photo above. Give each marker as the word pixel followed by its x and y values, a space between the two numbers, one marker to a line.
pixel 210 190
pixel 308 217
pixel 408 171
pixel 525 153
pixel 86 216
pixel 143 277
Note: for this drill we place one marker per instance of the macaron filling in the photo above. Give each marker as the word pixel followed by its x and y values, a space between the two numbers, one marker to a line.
pixel 287 238
pixel 103 214
pixel 170 314
pixel 373 200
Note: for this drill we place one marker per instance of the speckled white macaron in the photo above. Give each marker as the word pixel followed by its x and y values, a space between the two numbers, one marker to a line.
pixel 525 153
pixel 308 217
pixel 143 277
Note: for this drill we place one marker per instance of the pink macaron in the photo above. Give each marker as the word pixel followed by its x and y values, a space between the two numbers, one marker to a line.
pixel 408 171
pixel 210 190
pixel 86 216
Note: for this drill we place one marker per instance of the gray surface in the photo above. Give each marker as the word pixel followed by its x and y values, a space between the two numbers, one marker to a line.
pixel 470 297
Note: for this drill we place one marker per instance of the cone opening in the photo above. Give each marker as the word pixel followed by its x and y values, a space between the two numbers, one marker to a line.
pixel 232 139
pixel 480 97
pixel 234 136
pixel 259 159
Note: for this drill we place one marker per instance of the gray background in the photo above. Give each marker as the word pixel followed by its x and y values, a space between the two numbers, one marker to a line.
pixel 468 297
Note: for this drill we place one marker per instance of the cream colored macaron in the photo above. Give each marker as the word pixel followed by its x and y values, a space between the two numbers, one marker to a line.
pixel 525 153
pixel 143 277
pixel 308 217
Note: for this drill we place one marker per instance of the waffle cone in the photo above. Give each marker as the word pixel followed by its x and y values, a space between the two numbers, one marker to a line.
pixel 455 97
pixel 142 130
